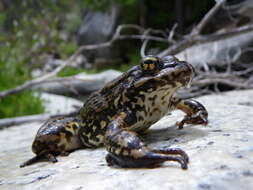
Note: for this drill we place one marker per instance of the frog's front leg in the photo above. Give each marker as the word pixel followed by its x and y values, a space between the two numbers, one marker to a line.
pixel 196 113
pixel 128 151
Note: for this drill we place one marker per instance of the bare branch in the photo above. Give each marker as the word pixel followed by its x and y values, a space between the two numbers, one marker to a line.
pixel 229 82
pixel 33 82
pixel 240 5
pixel 144 44
pixel 172 32
pixel 246 71
pixel 116 36
pixel 142 37
pixel 205 20
pixel 31 118
pixel 190 40
pixel 194 37
pixel 143 48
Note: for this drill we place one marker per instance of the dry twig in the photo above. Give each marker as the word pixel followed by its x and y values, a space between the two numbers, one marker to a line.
pixel 189 40
pixel 206 19
pixel 31 118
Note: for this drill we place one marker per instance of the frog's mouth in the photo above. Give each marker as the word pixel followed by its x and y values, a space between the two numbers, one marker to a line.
pixel 179 72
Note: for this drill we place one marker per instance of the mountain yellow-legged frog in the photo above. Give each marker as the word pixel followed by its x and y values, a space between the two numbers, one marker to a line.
pixel 115 116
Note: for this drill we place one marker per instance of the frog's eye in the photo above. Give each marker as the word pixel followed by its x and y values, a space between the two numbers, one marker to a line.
pixel 151 64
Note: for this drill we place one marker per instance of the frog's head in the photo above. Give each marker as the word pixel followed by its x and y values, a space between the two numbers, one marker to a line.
pixel 157 74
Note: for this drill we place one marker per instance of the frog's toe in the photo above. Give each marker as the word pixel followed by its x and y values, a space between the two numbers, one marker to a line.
pixel 203 119
pixel 184 165
pixel 158 158
pixel 198 119
pixel 37 158
pixel 180 124
pixel 149 160
pixel 110 160
pixel 51 158
pixel 64 153
pixel 173 151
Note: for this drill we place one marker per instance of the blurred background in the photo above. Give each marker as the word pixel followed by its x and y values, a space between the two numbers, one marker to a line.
pixel 93 36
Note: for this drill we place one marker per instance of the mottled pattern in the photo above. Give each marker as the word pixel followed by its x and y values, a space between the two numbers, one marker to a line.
pixel 57 135
pixel 114 115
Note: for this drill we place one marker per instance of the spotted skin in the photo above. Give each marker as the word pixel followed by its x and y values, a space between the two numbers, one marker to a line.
pixel 115 116
pixel 56 137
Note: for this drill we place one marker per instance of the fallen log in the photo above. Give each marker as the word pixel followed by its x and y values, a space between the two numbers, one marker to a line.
pixel 31 118
pixel 80 85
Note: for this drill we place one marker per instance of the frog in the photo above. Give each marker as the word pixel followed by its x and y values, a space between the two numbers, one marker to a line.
pixel 115 116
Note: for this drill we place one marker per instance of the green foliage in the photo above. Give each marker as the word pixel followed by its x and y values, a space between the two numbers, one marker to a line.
pixel 13 72
pixel 22 104
pixel 134 60
pixel 69 71
pixel 30 29
pixel 103 4
pixel 47 26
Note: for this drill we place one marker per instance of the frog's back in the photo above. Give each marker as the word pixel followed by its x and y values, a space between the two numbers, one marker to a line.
pixel 101 108
pixel 96 114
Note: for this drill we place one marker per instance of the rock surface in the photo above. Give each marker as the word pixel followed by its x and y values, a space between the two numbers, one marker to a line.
pixel 221 155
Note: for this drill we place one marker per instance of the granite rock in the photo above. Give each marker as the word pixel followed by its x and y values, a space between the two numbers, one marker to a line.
pixel 98 27
pixel 221 155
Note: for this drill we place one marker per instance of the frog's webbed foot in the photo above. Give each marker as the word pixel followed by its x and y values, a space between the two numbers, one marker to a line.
pixel 195 113
pixel 128 151
pixel 47 157
pixel 175 151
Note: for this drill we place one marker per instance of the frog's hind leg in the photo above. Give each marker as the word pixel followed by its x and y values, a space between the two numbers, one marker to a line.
pixel 30 161
pixel 149 159
pixel 128 151
pixel 37 158
pixel 173 151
